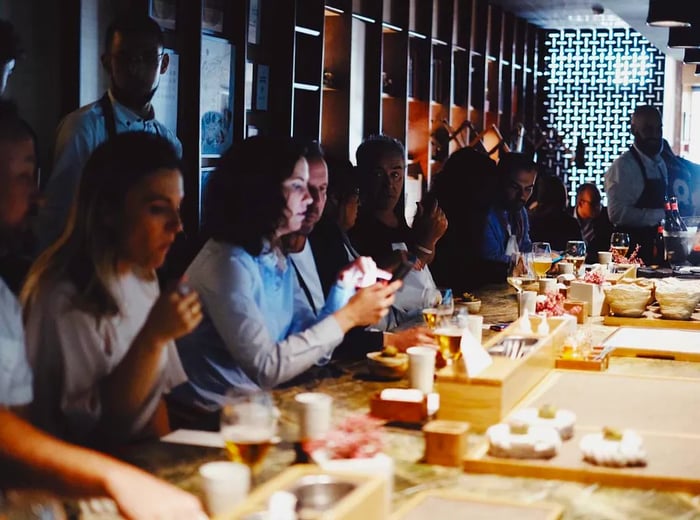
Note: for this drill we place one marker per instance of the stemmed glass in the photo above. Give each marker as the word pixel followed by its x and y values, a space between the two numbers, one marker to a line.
pixel 576 252
pixel 248 426
pixel 620 242
pixel 542 258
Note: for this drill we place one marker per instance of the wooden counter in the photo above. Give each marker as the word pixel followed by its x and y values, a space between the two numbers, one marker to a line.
pixel 351 391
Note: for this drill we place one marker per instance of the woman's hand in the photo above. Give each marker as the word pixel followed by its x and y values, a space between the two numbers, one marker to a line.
pixel 409 338
pixel 367 306
pixel 174 314
pixel 362 272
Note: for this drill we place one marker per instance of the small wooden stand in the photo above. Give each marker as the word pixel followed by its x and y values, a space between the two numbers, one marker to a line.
pixel 487 398
pixel 445 442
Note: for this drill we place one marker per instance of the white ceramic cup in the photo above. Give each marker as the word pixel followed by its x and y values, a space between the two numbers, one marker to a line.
pixel 604 257
pixel 566 268
pixel 548 285
pixel 314 411
pixel 475 325
pixel 526 302
pixel 225 485
pixel 421 368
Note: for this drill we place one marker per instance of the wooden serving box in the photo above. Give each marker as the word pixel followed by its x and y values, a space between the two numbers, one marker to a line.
pixel 366 501
pixel 455 503
pixel 398 411
pixel 487 398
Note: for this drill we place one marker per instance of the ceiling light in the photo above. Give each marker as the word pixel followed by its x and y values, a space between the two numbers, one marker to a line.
pixel 668 13
pixel 691 56
pixel 684 37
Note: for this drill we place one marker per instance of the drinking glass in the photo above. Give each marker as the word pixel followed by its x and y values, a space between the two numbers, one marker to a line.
pixel 620 242
pixel 541 258
pixel 449 336
pixel 248 426
pixel 576 253
pixel 436 303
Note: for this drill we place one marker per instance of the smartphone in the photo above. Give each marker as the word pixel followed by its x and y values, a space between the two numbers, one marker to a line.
pixel 499 326
pixel 403 269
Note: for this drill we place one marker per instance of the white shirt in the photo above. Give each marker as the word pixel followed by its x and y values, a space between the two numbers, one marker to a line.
pixel 304 261
pixel 624 184
pixel 15 374
pixel 72 353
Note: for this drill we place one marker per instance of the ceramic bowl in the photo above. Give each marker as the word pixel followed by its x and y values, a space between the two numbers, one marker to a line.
pixel 383 367
pixel 628 300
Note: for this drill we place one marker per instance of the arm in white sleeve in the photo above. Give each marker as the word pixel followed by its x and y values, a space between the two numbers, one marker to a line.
pixel 229 300
pixel 624 184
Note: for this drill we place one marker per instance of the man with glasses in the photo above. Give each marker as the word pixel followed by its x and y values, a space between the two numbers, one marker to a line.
pixel 507 229
pixel 593 219
pixel 135 59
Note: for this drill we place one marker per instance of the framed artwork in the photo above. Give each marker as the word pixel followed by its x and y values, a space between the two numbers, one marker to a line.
pixel 216 108
pixel 213 15
pixel 163 12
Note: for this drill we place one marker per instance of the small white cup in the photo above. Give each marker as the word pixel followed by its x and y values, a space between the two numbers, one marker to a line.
pixel 475 325
pixel 566 268
pixel 548 285
pixel 314 410
pixel 421 368
pixel 604 257
pixel 225 485
pixel 527 302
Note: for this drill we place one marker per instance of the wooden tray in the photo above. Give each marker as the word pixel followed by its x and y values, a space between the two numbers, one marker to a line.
pixel 367 501
pixel 680 345
pixel 454 503
pixel 664 411
pixel 652 318
pixel 485 399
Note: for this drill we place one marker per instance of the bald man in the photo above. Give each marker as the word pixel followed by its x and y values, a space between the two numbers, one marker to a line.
pixel 637 182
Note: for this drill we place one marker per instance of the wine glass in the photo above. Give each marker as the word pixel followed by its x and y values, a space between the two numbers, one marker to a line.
pixel 248 426
pixel 541 258
pixel 576 252
pixel 620 242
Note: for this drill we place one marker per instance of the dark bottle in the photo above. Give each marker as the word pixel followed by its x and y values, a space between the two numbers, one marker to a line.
pixel 668 219
pixel 658 250
pixel 678 223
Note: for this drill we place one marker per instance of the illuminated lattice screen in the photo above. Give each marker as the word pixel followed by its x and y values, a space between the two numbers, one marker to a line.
pixel 594 80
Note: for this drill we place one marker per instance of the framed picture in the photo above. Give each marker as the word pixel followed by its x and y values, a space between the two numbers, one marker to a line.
pixel 216 108
pixel 213 15
pixel 163 12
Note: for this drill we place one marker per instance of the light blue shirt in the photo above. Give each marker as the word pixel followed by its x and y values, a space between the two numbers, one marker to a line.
pixel 496 236
pixel 15 374
pixel 254 334
pixel 79 133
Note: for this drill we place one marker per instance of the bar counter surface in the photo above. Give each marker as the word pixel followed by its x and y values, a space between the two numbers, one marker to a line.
pixel 351 390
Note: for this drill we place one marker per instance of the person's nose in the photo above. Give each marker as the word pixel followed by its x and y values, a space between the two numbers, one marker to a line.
pixel 175 223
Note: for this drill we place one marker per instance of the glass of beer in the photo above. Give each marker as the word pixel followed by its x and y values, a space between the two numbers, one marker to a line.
pixel 449 337
pixel 620 242
pixel 437 303
pixel 541 258
pixel 248 426
pixel 576 254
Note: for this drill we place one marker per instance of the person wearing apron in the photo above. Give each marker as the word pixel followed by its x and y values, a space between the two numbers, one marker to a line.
pixel 637 183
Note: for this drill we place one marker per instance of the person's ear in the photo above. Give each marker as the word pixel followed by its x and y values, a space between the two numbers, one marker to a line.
pixel 164 63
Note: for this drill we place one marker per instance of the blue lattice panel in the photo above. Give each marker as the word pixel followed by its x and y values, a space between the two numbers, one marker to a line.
pixel 594 81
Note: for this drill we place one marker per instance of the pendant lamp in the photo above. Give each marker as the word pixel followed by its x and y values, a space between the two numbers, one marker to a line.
pixel 684 37
pixel 691 56
pixel 668 13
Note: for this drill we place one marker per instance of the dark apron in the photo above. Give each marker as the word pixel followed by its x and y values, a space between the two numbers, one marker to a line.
pixel 108 114
pixel 653 197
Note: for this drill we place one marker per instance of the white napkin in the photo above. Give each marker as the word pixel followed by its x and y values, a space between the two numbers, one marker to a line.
pixel 474 357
